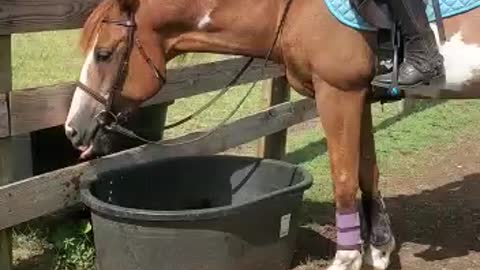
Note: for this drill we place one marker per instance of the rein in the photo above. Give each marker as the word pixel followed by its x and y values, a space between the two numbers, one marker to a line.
pixel 114 123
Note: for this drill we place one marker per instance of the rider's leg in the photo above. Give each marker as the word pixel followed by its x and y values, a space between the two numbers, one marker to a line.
pixel 423 62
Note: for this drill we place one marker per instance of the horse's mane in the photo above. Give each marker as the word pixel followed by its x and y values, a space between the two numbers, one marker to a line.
pixel 92 24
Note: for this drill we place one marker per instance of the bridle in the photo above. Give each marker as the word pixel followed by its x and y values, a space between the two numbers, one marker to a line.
pixel 112 121
pixel 107 116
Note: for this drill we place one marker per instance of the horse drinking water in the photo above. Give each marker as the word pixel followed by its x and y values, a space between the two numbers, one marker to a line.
pixel 128 43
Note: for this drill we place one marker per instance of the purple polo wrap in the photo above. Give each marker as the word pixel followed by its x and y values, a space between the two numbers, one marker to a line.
pixel 348 231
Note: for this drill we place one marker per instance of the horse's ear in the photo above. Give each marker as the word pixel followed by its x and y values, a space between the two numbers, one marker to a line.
pixel 128 5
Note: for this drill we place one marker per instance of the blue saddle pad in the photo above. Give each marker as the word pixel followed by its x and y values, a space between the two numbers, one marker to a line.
pixel 346 13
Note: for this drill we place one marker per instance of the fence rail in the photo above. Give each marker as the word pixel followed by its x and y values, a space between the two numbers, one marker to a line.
pixel 21 16
pixel 30 110
pixel 46 193
pixel 43 107
pixel 27 111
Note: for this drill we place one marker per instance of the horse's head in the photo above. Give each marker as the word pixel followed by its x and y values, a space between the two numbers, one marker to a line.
pixel 124 66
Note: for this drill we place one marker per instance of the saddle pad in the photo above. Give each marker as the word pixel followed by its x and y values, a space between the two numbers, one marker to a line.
pixel 346 13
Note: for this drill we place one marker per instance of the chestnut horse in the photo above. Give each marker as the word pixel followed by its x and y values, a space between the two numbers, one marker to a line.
pixel 128 43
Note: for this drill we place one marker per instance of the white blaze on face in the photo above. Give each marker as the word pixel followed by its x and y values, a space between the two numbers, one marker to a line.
pixel 81 101
pixel 80 97
pixel 461 60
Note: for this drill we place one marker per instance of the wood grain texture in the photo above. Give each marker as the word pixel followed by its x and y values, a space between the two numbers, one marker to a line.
pixel 4 127
pixel 5 64
pixel 47 193
pixel 39 108
pixel 275 91
pixel 199 79
pixel 15 159
pixel 468 91
pixel 6 150
pixel 6 250
pixel 43 107
pixel 21 16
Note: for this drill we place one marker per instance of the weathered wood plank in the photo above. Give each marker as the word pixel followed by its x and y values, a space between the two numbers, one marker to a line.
pixel 6 250
pixel 199 79
pixel 4 126
pixel 44 107
pixel 38 15
pixel 15 152
pixel 470 91
pixel 47 193
pixel 275 91
pixel 5 146
pixel 5 64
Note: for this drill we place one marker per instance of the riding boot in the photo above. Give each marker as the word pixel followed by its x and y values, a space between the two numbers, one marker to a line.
pixel 422 62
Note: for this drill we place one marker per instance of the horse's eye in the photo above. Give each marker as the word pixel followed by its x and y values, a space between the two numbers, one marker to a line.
pixel 102 55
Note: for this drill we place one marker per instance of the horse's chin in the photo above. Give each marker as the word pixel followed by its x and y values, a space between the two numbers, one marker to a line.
pixel 106 143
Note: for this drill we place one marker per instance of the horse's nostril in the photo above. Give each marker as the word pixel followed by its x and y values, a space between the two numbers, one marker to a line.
pixel 70 132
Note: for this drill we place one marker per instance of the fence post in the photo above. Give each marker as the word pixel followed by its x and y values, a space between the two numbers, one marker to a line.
pixel 5 173
pixel 407 105
pixel 15 155
pixel 275 91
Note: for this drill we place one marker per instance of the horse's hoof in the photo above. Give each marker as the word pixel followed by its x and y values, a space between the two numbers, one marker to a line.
pixel 347 260
pixel 378 258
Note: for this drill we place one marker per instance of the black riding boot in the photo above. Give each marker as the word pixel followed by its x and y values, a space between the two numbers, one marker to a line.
pixel 423 62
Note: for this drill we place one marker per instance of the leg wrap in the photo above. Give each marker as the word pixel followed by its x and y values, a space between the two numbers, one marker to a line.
pixel 348 231
pixel 380 231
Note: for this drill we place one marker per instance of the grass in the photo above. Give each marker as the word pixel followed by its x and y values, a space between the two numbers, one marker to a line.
pixel 56 247
pixel 55 58
pixel 52 57
pixel 398 143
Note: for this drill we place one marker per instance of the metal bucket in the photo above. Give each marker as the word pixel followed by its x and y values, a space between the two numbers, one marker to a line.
pixel 194 213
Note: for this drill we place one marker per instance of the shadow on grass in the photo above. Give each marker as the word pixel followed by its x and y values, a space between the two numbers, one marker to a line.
pixel 318 148
pixel 445 219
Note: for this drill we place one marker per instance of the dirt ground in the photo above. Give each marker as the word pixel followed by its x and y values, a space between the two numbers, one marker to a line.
pixel 435 215
pixel 434 207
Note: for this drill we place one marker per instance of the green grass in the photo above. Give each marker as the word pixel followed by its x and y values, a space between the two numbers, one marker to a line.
pixel 48 58
pixel 398 143
pixel 66 246
pixel 53 57
pixel 45 58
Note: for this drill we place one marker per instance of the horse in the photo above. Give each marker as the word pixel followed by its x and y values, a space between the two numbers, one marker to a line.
pixel 127 44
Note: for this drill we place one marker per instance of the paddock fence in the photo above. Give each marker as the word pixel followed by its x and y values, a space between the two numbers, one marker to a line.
pixel 34 182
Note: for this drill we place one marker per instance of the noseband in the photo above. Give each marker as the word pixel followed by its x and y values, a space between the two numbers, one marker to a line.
pixel 107 116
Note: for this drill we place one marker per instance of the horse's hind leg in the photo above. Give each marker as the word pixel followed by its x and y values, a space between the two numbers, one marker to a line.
pixel 378 232
pixel 340 114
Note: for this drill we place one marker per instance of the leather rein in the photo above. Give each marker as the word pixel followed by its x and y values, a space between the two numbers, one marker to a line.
pixel 112 121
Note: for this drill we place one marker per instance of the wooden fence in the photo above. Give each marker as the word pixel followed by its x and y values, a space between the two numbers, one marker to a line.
pixel 24 196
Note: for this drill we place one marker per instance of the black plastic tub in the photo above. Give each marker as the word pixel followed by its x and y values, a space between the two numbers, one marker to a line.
pixel 197 213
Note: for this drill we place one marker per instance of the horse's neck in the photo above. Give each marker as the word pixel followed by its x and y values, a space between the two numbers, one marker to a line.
pixel 244 27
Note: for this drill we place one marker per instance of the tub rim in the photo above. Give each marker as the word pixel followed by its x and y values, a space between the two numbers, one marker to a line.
pixel 135 214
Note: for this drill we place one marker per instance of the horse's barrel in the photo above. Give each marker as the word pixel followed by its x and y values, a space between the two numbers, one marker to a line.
pixel 193 213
